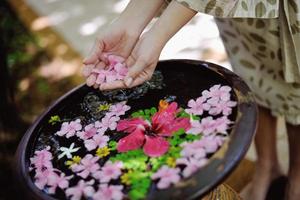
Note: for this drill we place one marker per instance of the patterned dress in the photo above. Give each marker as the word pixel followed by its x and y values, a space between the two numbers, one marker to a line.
pixel 262 39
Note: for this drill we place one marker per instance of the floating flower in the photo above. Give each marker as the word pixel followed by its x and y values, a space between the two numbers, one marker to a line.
pixel 102 152
pixel 109 171
pixel 88 132
pixel 194 149
pixel 75 160
pixel 98 141
pixel 206 126
pixel 224 107
pixel 104 107
pixel 163 104
pixel 171 162
pixel 218 92
pixel 54 119
pixel 119 108
pixel 167 176
pixel 69 129
pixel 42 159
pixel 192 165
pixel 151 136
pixel 222 124
pixel 81 189
pixel 125 178
pixel 88 165
pixel 109 121
pixel 41 177
pixel 197 107
pixel 55 180
pixel 68 151
pixel 109 192
pixel 212 143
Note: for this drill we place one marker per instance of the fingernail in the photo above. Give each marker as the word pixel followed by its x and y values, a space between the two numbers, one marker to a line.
pixel 128 82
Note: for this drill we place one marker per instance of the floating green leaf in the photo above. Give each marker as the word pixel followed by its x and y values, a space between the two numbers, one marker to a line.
pixel 112 145
pixel 54 119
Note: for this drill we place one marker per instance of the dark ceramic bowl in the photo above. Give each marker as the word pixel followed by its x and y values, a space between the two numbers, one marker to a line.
pixel 184 79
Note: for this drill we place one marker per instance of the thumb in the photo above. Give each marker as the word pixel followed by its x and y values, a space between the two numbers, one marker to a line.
pixel 134 71
pixel 95 53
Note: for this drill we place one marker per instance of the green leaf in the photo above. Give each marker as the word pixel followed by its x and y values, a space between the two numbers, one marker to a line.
pixel 191 137
pixel 136 194
pixel 54 119
pixel 153 110
pixel 112 145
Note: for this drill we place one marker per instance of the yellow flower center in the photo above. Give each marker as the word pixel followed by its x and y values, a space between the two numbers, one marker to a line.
pixel 125 178
pixel 171 162
pixel 104 107
pixel 102 152
pixel 75 160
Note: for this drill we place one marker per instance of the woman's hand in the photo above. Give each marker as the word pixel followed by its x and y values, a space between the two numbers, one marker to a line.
pixel 144 57
pixel 120 37
pixel 116 40
pixel 143 60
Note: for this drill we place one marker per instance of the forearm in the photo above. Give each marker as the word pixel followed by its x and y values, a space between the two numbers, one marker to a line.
pixel 170 22
pixel 139 13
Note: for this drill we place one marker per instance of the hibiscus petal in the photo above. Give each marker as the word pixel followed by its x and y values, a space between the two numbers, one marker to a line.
pixel 164 117
pixel 155 146
pixel 168 128
pixel 131 142
pixel 131 124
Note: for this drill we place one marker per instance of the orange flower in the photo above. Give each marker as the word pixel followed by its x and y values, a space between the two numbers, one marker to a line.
pixel 163 104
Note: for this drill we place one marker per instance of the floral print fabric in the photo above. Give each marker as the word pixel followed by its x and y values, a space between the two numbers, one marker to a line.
pixel 262 38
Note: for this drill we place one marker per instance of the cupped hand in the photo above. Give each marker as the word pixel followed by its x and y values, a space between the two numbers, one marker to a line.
pixel 141 63
pixel 115 40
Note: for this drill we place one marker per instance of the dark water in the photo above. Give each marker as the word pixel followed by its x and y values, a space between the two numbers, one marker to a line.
pixel 180 83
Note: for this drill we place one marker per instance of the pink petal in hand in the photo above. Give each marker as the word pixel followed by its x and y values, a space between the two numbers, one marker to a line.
pixel 155 146
pixel 121 69
pixel 113 59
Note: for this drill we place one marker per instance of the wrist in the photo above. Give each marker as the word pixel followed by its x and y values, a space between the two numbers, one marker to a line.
pixel 131 28
pixel 138 14
pixel 170 22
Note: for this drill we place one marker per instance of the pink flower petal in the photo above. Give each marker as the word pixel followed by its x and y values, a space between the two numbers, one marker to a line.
pixel 131 124
pixel 133 141
pixel 155 146
pixel 173 126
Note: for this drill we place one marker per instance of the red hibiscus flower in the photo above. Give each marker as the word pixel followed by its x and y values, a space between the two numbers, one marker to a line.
pixel 151 135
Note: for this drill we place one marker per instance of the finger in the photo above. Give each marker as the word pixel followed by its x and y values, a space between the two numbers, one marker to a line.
pixel 104 57
pixel 90 81
pixel 116 58
pixel 96 86
pixel 143 77
pixel 87 70
pixel 113 85
pixel 100 65
pixel 134 71
pixel 93 57
pixel 130 61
